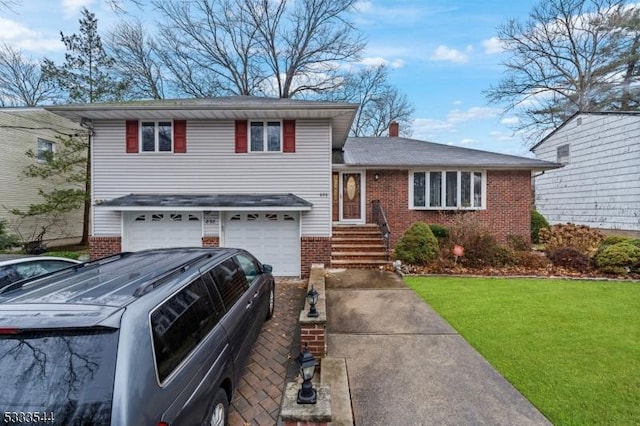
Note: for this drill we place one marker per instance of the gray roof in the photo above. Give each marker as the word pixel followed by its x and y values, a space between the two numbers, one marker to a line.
pixel 209 201
pixel 405 153
pixel 341 115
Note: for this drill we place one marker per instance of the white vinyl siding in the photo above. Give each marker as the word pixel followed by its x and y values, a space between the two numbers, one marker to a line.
pixel 211 166
pixel 600 185
pixel 20 129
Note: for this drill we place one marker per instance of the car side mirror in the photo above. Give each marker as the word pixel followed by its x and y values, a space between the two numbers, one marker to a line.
pixel 267 268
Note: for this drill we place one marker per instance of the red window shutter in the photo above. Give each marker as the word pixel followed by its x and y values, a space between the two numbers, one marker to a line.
pixel 241 136
pixel 289 135
pixel 179 136
pixel 132 136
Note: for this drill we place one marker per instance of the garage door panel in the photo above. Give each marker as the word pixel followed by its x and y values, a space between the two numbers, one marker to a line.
pixel 273 237
pixel 145 230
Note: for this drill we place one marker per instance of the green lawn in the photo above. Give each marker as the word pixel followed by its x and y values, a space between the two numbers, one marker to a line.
pixel 571 347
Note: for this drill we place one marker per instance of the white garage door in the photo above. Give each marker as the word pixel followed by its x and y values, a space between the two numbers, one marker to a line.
pixel 145 230
pixel 272 237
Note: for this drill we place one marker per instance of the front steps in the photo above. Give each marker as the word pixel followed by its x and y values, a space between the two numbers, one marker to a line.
pixel 358 246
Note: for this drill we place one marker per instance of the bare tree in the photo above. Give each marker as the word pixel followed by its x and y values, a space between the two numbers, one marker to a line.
pixel 136 60
pixel 380 102
pixel 563 59
pixel 304 42
pixel 249 47
pixel 21 80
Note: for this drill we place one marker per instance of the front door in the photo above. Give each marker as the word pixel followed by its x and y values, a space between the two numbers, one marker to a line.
pixel 351 197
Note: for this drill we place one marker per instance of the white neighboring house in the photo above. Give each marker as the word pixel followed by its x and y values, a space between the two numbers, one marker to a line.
pixel 599 183
pixel 23 129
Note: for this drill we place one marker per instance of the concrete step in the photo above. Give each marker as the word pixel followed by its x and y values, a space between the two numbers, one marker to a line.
pixel 358 247
pixel 359 264
pixel 358 255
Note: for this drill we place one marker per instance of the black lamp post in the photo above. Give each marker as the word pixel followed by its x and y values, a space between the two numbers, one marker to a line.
pixel 312 298
pixel 307 363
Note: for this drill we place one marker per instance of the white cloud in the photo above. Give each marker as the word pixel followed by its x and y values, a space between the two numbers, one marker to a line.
pixel 379 60
pixel 467 141
pixel 510 121
pixel 457 102
pixel 363 6
pixel 473 113
pixel 492 46
pixel 501 136
pixel 71 7
pixel 20 37
pixel 444 53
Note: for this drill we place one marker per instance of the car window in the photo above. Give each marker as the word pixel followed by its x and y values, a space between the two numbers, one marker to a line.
pixel 67 374
pixel 8 275
pixel 39 267
pixel 230 282
pixel 249 265
pixel 179 324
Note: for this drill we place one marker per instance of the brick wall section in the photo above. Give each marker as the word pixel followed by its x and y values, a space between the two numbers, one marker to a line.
pixel 314 336
pixel 210 241
pixel 104 246
pixel 314 250
pixel 508 197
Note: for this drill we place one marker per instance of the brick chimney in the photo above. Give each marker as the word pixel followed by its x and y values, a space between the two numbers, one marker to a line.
pixel 394 129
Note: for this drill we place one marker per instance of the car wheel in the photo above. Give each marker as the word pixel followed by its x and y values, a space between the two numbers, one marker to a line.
pixel 272 301
pixel 220 411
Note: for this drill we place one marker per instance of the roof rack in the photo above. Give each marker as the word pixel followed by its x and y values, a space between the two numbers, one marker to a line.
pixel 163 278
pixel 74 268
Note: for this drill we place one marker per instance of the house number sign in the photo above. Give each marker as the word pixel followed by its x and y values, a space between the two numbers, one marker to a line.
pixel 351 187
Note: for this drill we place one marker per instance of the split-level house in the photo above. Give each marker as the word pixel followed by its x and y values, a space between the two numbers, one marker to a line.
pixel 39 131
pixel 599 182
pixel 281 178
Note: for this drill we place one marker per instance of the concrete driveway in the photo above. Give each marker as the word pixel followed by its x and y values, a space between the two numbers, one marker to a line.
pixel 406 365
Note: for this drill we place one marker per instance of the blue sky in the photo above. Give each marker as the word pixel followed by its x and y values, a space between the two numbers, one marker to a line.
pixel 442 54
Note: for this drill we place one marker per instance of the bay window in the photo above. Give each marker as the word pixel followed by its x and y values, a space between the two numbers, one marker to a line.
pixel 447 190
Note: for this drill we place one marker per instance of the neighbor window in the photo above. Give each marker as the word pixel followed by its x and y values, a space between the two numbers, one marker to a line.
pixel 156 136
pixel 265 136
pixel 45 146
pixel 447 189
pixel 563 154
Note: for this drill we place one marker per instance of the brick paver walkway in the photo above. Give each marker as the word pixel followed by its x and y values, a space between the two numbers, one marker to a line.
pixel 257 399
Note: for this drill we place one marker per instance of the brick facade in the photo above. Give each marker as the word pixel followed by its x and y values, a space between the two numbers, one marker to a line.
pixel 210 241
pixel 314 336
pixel 104 246
pixel 314 250
pixel 508 210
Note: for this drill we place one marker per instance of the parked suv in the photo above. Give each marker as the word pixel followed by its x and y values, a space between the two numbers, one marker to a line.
pixel 157 337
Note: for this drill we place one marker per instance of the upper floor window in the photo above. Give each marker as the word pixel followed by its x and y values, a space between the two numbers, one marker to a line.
pixel 156 136
pixel 44 147
pixel 563 154
pixel 447 190
pixel 265 136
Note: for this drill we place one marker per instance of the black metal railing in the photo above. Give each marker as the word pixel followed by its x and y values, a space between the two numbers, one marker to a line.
pixel 380 219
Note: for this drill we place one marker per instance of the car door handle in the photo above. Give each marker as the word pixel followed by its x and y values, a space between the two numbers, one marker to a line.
pixel 249 305
pixel 255 294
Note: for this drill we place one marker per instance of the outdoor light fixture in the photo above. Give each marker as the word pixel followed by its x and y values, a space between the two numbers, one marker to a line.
pixel 376 176
pixel 312 298
pixel 307 363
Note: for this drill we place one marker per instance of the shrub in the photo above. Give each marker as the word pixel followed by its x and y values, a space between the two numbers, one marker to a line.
pixel 441 232
pixel 580 237
pixel 570 257
pixel 533 260
pixel 478 242
pixel 501 256
pixel 538 222
pixel 418 245
pixel 619 258
pixel 611 240
pixel 7 241
pixel 518 243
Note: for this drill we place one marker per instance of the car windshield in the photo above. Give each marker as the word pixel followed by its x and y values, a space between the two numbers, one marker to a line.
pixel 65 375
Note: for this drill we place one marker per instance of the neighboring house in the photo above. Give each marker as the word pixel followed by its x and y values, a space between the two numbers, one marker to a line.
pixel 599 183
pixel 35 129
pixel 257 173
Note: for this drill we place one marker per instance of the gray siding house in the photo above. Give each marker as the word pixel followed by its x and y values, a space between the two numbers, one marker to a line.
pixel 21 130
pixel 599 183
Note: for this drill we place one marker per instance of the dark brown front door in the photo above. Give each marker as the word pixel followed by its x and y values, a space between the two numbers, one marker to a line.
pixel 351 209
pixel 335 196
